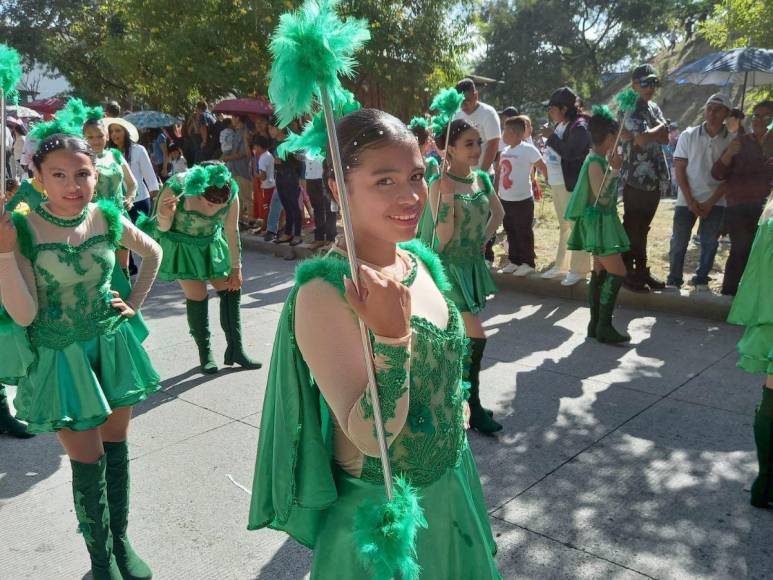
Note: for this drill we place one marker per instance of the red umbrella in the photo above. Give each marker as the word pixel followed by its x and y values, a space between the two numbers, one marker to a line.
pixel 245 106
pixel 46 106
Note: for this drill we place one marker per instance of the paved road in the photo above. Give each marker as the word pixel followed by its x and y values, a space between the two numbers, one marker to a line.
pixel 615 462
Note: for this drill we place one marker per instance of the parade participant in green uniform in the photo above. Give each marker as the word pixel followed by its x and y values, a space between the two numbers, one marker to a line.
pixel 597 228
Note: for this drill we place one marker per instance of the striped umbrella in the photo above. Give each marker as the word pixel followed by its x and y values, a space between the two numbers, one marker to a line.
pixel 151 119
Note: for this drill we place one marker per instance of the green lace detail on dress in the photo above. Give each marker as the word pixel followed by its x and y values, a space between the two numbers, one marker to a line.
pixel 195 224
pixel 433 437
pixel 411 277
pixel 110 183
pixel 73 287
pixel 60 221
pixel 471 215
pixel 391 381
pixel 468 180
pixel 430 260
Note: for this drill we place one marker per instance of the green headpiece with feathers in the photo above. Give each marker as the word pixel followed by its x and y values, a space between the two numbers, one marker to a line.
pixel 10 72
pixel 311 48
pixel 603 111
pixel 627 100
pixel 200 178
pixel 419 122
pixel 313 139
pixel 67 121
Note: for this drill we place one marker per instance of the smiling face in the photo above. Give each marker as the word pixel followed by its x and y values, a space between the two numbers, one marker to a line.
pixel 466 148
pixel 69 180
pixel 118 136
pixel 96 137
pixel 387 193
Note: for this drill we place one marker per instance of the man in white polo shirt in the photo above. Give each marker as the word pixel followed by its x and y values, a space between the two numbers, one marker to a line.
pixel 485 119
pixel 699 196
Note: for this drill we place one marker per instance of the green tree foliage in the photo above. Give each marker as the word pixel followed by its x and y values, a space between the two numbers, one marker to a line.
pixel 535 46
pixel 164 55
pixel 739 23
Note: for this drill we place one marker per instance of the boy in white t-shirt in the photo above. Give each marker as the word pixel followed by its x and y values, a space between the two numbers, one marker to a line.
pixel 264 170
pixel 514 186
pixel 177 161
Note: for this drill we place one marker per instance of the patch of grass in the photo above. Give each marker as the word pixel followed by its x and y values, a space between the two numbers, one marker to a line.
pixel 546 241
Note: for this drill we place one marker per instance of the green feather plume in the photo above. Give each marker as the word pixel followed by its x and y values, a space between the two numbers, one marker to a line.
pixel 219 175
pixel 447 102
pixel 603 111
pixel 10 71
pixel 385 534
pixel 420 122
pixel 627 100
pixel 313 139
pixel 311 48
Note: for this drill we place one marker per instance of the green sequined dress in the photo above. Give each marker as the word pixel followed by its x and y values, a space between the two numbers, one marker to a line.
pixel 597 227
pixel 79 359
pixel 462 256
pixel 195 247
pixel 753 304
pixel 110 185
pixel 299 489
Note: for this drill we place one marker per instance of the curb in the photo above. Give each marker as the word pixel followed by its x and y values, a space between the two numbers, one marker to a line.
pixel 669 301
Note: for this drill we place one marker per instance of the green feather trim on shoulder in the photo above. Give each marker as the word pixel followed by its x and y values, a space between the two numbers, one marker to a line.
pixel 117 155
pixel 113 219
pixel 331 269
pixel 430 260
pixel 488 187
pixel 23 235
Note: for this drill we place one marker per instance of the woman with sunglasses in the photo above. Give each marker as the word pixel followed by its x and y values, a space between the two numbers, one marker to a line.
pixel 467 213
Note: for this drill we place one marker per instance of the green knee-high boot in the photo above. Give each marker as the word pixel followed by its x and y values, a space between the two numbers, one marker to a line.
pixel 605 332
pixel 594 296
pixel 231 321
pixel 480 419
pixel 89 491
pixel 8 423
pixel 198 323
pixel 762 494
pixel 117 476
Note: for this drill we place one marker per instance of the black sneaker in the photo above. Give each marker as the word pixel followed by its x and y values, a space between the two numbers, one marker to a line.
pixel 269 236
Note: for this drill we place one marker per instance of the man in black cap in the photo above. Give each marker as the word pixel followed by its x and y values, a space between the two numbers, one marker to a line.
pixel 485 119
pixel 644 176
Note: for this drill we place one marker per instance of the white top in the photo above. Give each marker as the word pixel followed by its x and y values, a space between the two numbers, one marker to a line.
pixel 179 165
pixel 313 168
pixel 30 146
pixel 515 171
pixel 143 172
pixel 18 147
pixel 553 159
pixel 701 151
pixel 486 120
pixel 226 140
pixel 8 139
pixel 266 163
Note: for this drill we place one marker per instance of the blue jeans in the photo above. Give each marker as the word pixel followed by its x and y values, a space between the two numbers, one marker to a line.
pixel 708 232
pixel 274 211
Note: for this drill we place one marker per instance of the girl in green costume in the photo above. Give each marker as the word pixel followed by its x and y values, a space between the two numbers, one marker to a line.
pixel 198 229
pixel 753 308
pixel 420 128
pixel 468 215
pixel 597 228
pixel 116 182
pixel 318 458
pixel 79 366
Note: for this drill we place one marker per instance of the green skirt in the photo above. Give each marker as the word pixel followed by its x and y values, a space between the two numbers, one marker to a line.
pixel 17 354
pixel 194 258
pixel 756 349
pixel 471 283
pixel 457 542
pixel 599 232
pixel 78 386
